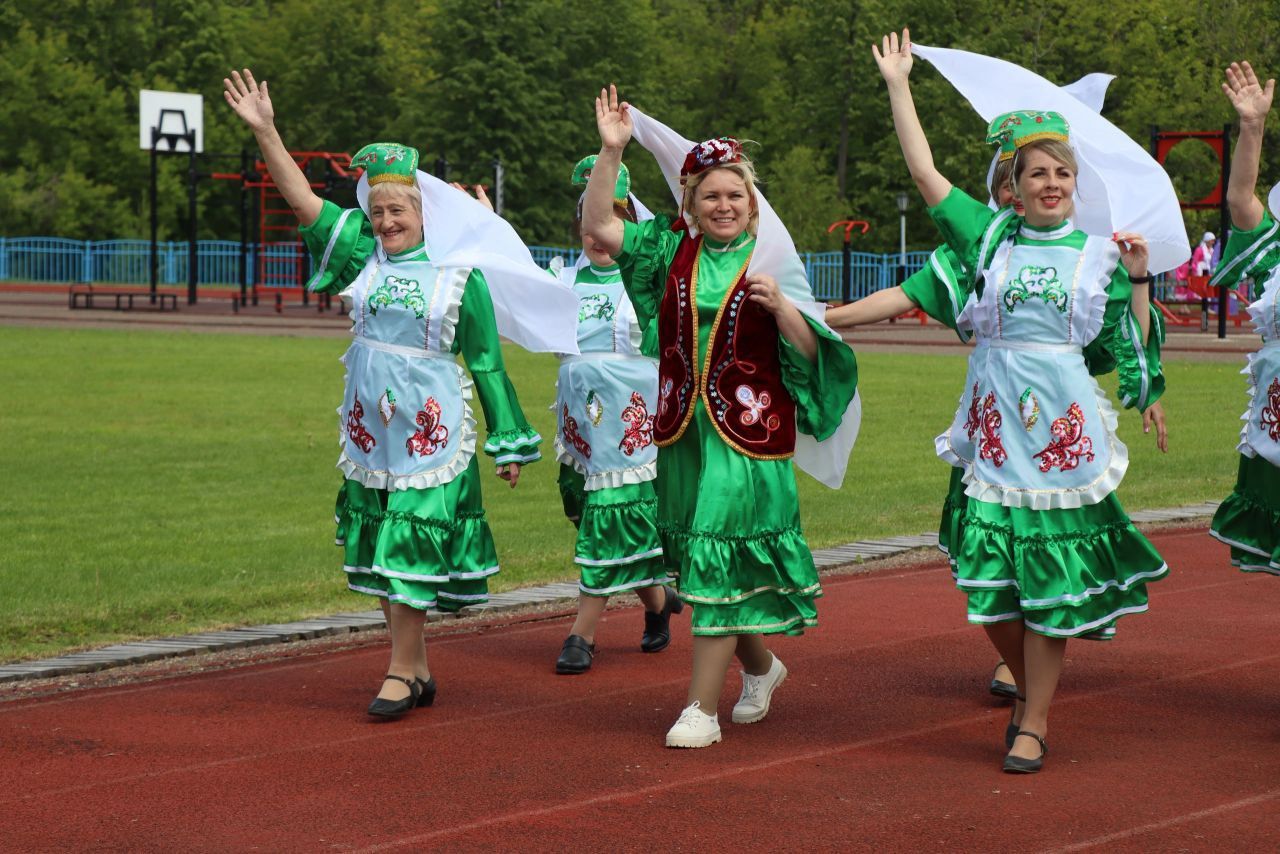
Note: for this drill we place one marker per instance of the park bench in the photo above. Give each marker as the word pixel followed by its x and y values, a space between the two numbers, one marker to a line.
pixel 85 296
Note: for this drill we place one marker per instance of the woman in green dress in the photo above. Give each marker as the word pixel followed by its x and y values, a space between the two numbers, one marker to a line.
pixel 1249 519
pixel 409 513
pixel 1046 551
pixel 741 370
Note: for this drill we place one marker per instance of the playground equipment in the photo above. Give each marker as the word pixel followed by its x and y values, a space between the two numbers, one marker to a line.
pixel 1163 142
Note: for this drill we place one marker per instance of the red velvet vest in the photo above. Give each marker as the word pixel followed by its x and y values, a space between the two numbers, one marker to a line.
pixel 740 381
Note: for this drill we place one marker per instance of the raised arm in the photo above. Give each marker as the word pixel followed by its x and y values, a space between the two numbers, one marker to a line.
pixel 894 59
pixel 1252 102
pixel 614 123
pixel 879 306
pixel 1134 255
pixel 252 103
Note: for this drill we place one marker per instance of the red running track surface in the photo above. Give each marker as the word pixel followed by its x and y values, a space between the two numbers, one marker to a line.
pixel 882 738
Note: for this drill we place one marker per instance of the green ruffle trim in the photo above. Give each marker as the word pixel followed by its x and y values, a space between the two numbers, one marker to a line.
pixel 764 583
pixel 1249 519
pixel 417 561
pixel 519 445
pixel 1065 573
pixel 618 546
pixel 951 525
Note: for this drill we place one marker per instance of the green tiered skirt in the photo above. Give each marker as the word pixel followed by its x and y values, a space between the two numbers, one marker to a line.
pixel 420 547
pixel 618 547
pixel 1249 520
pixel 1064 573
pixel 730 528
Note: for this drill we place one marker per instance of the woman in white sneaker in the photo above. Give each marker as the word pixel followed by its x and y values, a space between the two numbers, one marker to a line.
pixel 741 372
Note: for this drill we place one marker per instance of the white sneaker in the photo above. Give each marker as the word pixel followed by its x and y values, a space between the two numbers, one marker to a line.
pixel 694 729
pixel 753 705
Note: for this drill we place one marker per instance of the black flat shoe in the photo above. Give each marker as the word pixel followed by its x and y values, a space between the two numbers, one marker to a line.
pixel 657 625
pixel 575 655
pixel 1003 690
pixel 1018 765
pixel 1011 731
pixel 426 691
pixel 381 708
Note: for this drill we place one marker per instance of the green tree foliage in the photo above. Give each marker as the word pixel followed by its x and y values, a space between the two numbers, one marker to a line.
pixel 474 80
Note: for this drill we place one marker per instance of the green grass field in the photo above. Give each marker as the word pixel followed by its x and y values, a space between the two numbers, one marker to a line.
pixel 159 484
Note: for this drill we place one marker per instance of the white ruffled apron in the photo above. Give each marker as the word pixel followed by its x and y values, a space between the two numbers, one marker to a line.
pixel 405 420
pixel 604 415
pixel 1033 428
pixel 1260 435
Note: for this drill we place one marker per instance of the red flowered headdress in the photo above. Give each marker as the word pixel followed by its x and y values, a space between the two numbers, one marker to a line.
pixel 707 155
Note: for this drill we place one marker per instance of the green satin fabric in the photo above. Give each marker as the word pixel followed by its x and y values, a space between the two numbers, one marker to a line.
pixel 1065 573
pixel 618 547
pixel 420 547
pixel 731 530
pixel 1250 516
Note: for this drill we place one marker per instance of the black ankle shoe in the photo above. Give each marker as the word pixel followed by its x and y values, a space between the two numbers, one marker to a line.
pixel 395 708
pixel 998 688
pixel 575 655
pixel 1018 765
pixel 657 624
pixel 1011 731
pixel 426 691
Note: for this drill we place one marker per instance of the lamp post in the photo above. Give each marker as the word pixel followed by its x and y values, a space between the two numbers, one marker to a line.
pixel 903 201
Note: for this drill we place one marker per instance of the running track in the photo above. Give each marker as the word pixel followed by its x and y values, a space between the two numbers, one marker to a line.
pixel 882 738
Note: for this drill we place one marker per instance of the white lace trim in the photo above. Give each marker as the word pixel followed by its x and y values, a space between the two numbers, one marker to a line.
pixel 1060 499
pixel 453 305
pixel 423 480
pixel 605 479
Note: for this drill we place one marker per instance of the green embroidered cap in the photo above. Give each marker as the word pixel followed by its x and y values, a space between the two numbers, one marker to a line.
pixel 621 190
pixel 1013 130
pixel 387 161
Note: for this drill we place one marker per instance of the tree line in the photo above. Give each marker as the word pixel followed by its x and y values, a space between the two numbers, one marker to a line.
pixel 474 80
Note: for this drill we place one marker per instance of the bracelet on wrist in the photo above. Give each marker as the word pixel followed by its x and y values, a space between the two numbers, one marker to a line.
pixel 1142 280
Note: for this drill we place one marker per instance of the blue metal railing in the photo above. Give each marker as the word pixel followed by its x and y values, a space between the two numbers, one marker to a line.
pixel 58 260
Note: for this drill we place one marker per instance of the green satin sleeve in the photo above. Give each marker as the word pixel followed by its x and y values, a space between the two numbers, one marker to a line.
pixel 648 249
pixel 340 241
pixel 823 388
pixel 941 288
pixel 510 438
pixel 1249 254
pixel 1119 347
pixel 963 222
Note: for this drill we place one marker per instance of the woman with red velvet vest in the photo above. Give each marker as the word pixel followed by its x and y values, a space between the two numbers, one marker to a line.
pixel 741 370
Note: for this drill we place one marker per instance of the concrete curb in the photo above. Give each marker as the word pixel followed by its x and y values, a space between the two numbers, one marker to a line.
pixel 137 652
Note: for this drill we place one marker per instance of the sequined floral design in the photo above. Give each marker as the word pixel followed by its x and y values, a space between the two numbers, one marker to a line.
pixel 1270 418
pixel 991 447
pixel 387 407
pixel 571 436
pixel 638 434
pixel 1039 282
pixel 595 408
pixel 755 407
pixel 1069 444
pixel 712 152
pixel 1029 409
pixel 393 290
pixel 356 431
pixel 664 399
pixel 975 415
pixel 598 306
pixel 431 435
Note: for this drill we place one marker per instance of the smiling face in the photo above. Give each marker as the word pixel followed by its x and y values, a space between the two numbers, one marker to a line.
pixel 395 212
pixel 723 204
pixel 1045 185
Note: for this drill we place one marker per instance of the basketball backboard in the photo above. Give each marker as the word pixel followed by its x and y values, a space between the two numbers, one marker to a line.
pixel 174 115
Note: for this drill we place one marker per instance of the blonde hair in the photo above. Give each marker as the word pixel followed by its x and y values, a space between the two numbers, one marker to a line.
pixel 744 169
pixel 394 190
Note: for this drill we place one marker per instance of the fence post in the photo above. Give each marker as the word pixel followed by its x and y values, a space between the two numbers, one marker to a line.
pixel 4 261
pixel 86 266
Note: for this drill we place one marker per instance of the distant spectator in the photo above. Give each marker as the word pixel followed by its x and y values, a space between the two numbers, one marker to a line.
pixel 1202 257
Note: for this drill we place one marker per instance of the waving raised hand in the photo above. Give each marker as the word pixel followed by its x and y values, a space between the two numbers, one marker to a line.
pixel 894 56
pixel 1251 99
pixel 250 101
pixel 613 119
